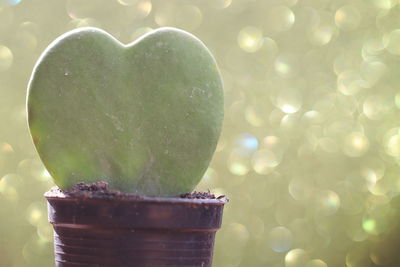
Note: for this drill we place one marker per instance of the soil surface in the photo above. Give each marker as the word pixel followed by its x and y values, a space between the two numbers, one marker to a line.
pixel 101 190
pixel 200 195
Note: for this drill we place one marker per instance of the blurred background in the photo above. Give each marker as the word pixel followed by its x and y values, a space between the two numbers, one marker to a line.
pixel 310 149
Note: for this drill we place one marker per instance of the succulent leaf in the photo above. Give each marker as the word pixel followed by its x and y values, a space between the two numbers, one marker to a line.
pixel 144 117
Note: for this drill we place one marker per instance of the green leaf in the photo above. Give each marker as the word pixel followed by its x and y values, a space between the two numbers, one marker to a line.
pixel 144 117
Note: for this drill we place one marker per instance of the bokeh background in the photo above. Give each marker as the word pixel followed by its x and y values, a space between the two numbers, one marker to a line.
pixel 310 149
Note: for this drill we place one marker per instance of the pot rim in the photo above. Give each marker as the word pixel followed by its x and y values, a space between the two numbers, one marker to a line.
pixel 50 195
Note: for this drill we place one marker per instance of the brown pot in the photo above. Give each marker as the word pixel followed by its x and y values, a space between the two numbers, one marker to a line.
pixel 140 232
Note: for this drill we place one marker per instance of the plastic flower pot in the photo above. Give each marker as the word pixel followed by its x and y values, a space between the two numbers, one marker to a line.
pixel 133 231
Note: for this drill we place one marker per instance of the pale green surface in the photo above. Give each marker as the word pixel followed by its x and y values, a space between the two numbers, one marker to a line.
pixel 144 117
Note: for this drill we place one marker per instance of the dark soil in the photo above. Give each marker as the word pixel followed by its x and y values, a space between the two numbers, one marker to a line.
pixel 95 190
pixel 200 195
pixel 101 190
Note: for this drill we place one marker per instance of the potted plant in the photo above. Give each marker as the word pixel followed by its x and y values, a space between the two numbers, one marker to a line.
pixel 125 131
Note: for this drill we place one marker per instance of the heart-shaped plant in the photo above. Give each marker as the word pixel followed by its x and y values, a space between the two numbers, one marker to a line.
pixel 144 117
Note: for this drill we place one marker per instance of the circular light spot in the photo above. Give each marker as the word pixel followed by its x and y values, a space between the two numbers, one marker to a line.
pixel 393 146
pixel 356 144
pixel 253 117
pixel 350 83
pixel 313 117
pixel 270 46
pixel 276 147
pixel 36 213
pixel 321 35
pixel 246 144
pixel 373 71
pixel 250 39
pixel 357 235
pixel 289 123
pixel 275 117
pixel 391 142
pixel 165 16
pixel 347 17
pixel 280 18
pixel 26 40
pixel 369 226
pixel 374 107
pixel 239 232
pixel 384 4
pixel 328 202
pixel 6 147
pixel 392 42
pixel 285 66
pixel 6 58
pixel 280 239
pixel 380 258
pixel 11 2
pixel 29 26
pixel 272 141
pixel 188 17
pixel 373 46
pixel 238 163
pixel 77 9
pixel 301 188
pixel 264 161
pixel 371 181
pixel 289 100
pixel 221 4
pixel 8 185
pixel 397 100
pixel 145 8
pixel 296 258
pixel 127 2
pixel 88 22
pixel 140 10
pixel 85 22
pixel 377 188
pixel 387 20
pixel 316 263
pixel 372 171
